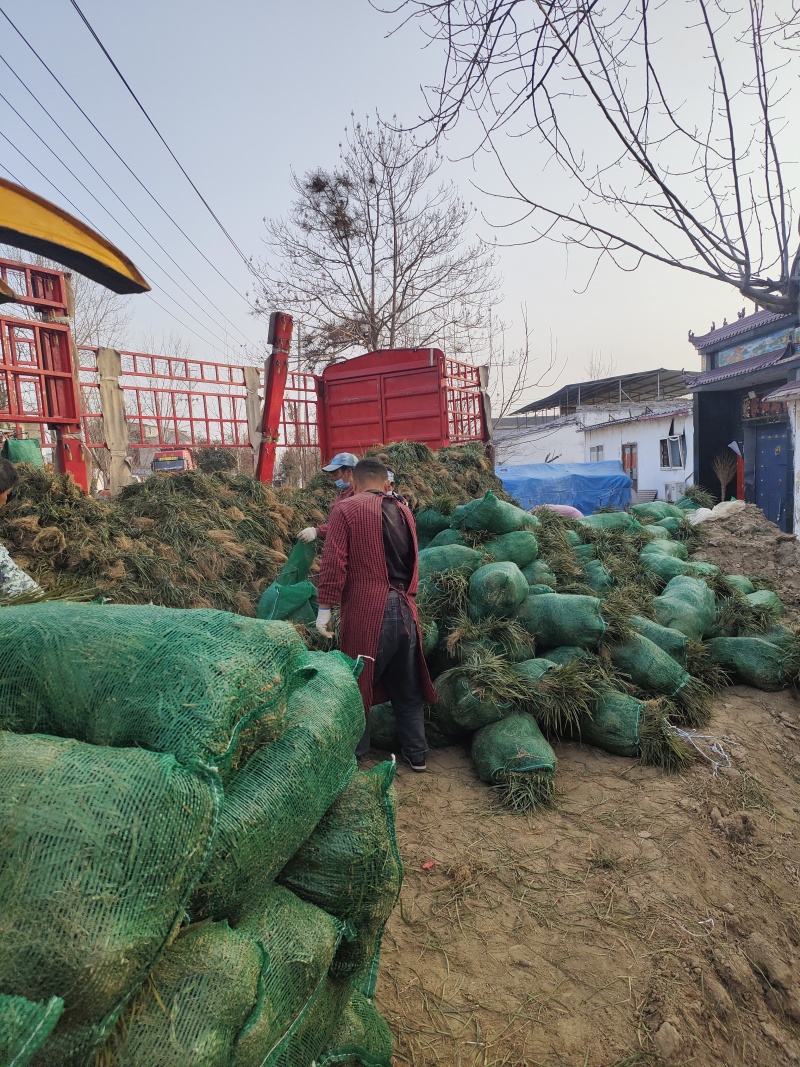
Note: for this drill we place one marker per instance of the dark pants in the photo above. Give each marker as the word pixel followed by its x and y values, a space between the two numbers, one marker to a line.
pixel 397 667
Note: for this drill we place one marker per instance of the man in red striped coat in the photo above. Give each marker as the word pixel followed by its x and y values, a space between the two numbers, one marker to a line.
pixel 369 568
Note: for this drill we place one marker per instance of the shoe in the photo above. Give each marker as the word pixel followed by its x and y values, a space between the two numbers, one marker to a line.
pixel 418 765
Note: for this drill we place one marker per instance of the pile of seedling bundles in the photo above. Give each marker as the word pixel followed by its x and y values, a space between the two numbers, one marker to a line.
pixel 194 871
pixel 600 630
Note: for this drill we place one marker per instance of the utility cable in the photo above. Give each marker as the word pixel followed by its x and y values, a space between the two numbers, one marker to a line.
pixel 123 228
pixel 112 190
pixel 125 164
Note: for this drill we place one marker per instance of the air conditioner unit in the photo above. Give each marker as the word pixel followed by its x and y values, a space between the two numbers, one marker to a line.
pixel 673 491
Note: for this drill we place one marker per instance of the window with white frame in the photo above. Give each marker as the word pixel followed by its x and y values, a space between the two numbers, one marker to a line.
pixel 596 454
pixel 673 451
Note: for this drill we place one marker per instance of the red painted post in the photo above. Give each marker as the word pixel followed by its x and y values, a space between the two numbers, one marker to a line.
pixel 69 457
pixel 280 337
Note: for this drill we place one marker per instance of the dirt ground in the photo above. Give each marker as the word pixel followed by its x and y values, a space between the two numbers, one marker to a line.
pixel 646 919
pixel 748 543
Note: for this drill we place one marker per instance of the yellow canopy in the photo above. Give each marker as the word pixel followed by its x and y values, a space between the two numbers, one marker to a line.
pixel 27 221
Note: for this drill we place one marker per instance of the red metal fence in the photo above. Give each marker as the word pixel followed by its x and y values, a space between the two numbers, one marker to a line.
pixel 464 402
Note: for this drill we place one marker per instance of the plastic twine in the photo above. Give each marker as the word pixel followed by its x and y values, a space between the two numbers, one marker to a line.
pixel 718 757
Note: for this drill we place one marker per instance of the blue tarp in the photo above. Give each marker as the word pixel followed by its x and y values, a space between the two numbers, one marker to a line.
pixel 585 486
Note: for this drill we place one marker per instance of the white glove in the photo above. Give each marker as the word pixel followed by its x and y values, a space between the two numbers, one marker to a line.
pixel 323 621
pixel 308 535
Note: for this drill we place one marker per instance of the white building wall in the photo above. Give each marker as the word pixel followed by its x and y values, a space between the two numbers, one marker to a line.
pixel 519 441
pixel 647 434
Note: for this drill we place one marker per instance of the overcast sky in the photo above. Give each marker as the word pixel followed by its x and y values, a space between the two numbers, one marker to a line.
pixel 243 94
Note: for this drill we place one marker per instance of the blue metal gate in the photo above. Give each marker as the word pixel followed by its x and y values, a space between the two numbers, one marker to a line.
pixel 772 455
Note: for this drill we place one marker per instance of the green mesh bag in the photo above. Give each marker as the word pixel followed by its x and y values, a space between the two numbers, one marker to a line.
pixel 654 533
pixel 198 684
pixel 741 582
pixel 765 662
pixel 463 706
pixel 315 1028
pixel 26 450
pixel 657 510
pixel 199 998
pixel 383 728
pixel 584 553
pixel 441 729
pixel 515 745
pixel 539 573
pixel 568 654
pixel 608 520
pixel 430 635
pixel 537 590
pixel 446 537
pixel 687 605
pixel 291 597
pixel 613 725
pixel 685 503
pixel 672 525
pixel 563 619
pixel 667 639
pixel 648 666
pixel 765 598
pixel 284 789
pixel 668 567
pixel 298 942
pixel 494 516
pixel 497 589
pixel 597 577
pixel 667 547
pixel 520 547
pixel 433 561
pixel 533 670
pixel 99 850
pixel 360 1038
pixel 430 523
pixel 351 868
pixel 25 1025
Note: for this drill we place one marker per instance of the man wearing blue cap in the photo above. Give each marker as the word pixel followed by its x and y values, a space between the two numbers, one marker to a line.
pixel 341 467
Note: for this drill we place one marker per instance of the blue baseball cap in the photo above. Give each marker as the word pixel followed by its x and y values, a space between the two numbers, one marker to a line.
pixel 341 459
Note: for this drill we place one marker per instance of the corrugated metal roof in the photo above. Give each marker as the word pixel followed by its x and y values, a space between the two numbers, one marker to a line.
pixel 756 321
pixel 734 370
pixel 638 387
pixel 649 416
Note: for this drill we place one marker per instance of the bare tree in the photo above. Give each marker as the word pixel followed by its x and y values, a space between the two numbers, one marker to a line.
pixel 374 254
pixel 597 366
pixel 676 136
pixel 511 369
pixel 101 318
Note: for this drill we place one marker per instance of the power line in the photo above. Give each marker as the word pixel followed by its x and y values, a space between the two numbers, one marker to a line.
pixel 143 110
pixel 123 228
pixel 93 226
pixel 125 164
pixel 133 215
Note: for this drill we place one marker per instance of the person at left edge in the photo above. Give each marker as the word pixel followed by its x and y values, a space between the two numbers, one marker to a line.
pixel 341 469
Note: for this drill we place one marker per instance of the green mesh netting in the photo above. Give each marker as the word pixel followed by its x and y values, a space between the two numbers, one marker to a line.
pixel 27 450
pixel 532 670
pixel 671 524
pixel 99 849
pixel 351 867
pixel 563 619
pixel 668 567
pixel 573 538
pixel 685 503
pixel 197 1001
pixel 195 683
pixel 515 745
pixel 608 520
pixel 299 942
pixel 671 641
pixel 655 533
pixel 764 662
pixel 584 553
pixel 520 547
pixel 667 547
pixel 597 577
pixel 657 510
pixel 540 573
pixel 430 523
pixel 430 635
pixel 687 605
pixel 497 589
pixel 467 708
pixel 276 800
pixel 494 516
pixel 446 537
pixel 741 582
pixel 537 590
pixel 765 598
pixel 315 1027
pixel 613 725
pixel 568 654
pixel 25 1025
pixel 434 561
pixel 360 1038
pixel 291 596
pixel 383 728
pixel 441 730
pixel 648 666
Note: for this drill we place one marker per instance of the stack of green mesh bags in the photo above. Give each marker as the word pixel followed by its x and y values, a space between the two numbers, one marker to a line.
pixel 600 630
pixel 194 872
